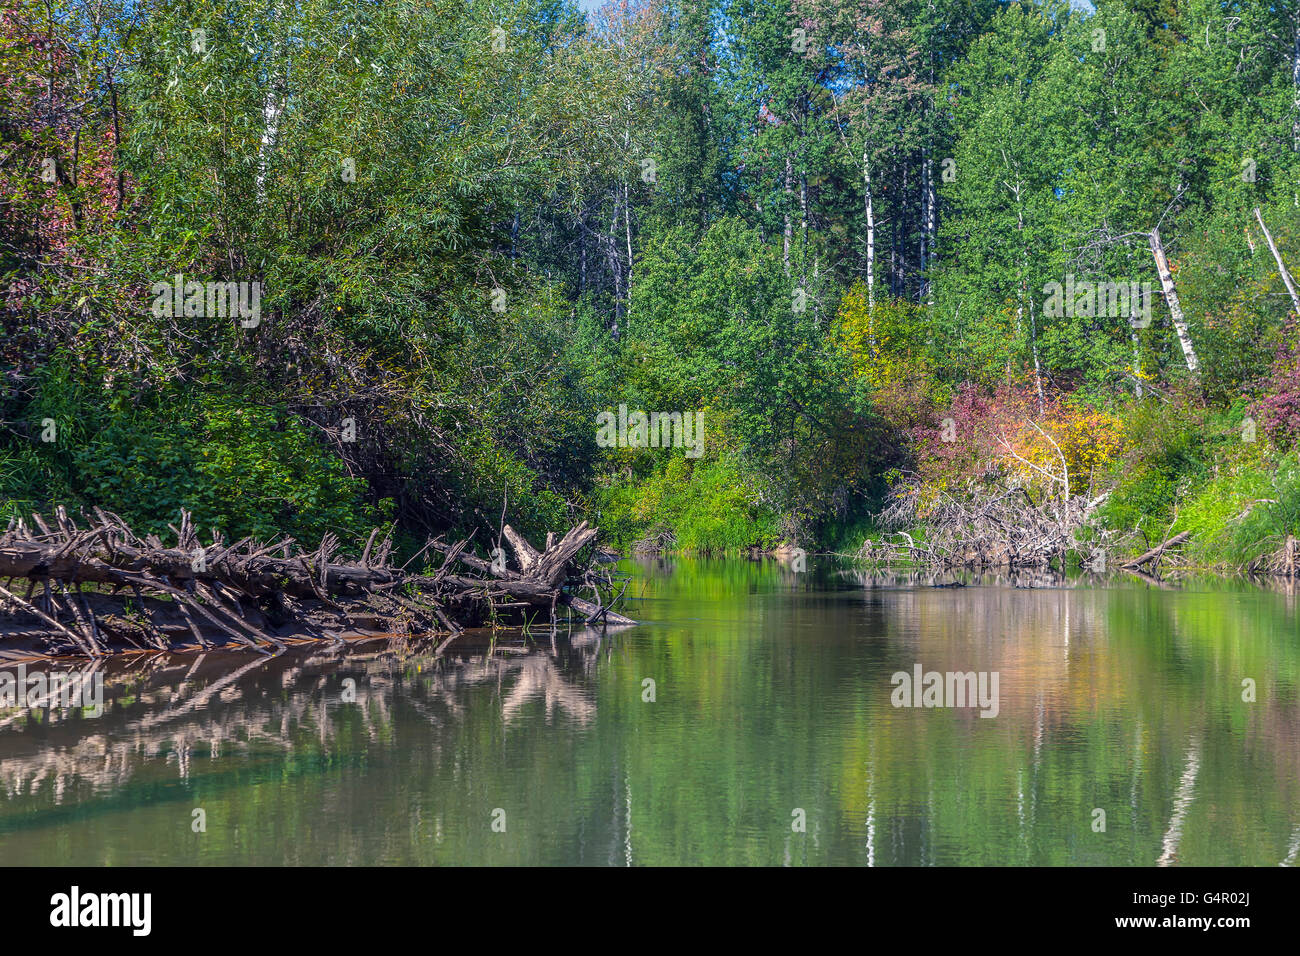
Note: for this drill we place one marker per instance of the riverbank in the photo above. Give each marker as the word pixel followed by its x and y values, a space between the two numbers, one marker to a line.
pixel 995 482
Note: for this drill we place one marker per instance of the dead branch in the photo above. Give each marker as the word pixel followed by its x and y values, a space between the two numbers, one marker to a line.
pixel 257 595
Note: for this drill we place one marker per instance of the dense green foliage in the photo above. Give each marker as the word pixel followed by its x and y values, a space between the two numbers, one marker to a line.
pixel 827 227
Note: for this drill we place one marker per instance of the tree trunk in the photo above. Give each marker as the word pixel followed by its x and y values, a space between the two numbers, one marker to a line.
pixel 1158 550
pixel 271 129
pixel 931 220
pixel 900 233
pixel 627 225
pixel 803 217
pixel 1281 266
pixel 120 179
pixel 788 231
pixel 272 107
pixel 627 217
pixel 1171 298
pixel 925 216
pixel 871 234
pixel 615 268
pixel 1295 84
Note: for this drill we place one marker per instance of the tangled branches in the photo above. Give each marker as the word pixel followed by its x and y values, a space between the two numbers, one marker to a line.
pixel 105 589
pixel 987 526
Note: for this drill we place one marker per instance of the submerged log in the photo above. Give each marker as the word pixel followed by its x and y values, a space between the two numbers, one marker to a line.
pixel 145 595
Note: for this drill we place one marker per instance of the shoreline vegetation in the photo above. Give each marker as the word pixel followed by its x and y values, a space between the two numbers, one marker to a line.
pixel 1009 285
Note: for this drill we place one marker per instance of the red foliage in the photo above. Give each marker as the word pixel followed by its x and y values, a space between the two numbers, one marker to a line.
pixel 965 440
pixel 1279 409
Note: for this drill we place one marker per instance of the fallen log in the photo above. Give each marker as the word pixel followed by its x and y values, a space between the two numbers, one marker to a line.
pixel 142 594
pixel 1158 550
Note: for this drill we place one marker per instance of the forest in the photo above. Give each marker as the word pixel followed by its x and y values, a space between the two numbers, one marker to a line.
pixel 902 267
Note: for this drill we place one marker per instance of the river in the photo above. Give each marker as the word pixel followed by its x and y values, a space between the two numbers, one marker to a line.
pixel 751 720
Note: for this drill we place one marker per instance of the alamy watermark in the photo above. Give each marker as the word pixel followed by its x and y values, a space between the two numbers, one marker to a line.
pixel 638 429
pixel 74 909
pixel 18 688
pixel 176 298
pixel 1086 299
pixel 948 689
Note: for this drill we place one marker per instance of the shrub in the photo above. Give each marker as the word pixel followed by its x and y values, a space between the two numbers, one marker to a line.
pixel 710 506
pixel 1279 409
pixel 1164 451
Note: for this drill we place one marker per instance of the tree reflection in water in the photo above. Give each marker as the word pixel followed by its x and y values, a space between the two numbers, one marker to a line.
pixel 164 707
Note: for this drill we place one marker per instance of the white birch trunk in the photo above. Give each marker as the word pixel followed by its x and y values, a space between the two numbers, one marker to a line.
pixel 871 234
pixel 1295 85
pixel 1171 299
pixel 931 222
pixel 1281 266
pixel 270 130
pixel 803 215
pixel 272 107
pixel 627 225
pixel 615 267
pixel 925 212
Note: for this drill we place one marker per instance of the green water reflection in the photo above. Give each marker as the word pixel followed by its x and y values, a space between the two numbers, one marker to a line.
pixel 772 695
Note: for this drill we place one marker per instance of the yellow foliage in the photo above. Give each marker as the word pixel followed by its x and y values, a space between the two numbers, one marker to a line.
pixel 1086 440
pixel 878 340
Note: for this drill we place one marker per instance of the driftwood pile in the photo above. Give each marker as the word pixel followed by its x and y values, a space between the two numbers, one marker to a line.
pixel 99 589
pixel 983 528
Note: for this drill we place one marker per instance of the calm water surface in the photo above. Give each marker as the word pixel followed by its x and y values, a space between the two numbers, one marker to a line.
pixel 772 704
